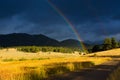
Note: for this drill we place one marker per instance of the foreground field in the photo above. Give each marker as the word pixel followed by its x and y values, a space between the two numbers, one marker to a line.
pixel 115 75
pixel 16 65
pixel 106 71
pixel 39 69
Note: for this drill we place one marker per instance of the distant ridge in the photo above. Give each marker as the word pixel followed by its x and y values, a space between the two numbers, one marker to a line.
pixel 23 39
pixel 70 42
pixel 73 43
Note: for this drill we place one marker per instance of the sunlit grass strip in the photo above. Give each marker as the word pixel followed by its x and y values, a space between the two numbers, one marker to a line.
pixel 40 73
pixel 22 59
pixel 29 69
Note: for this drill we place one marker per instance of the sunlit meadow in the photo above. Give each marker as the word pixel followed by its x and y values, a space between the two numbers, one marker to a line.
pixel 34 66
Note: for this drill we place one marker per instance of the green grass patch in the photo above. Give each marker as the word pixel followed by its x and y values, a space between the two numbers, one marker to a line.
pixel 7 60
pixel 22 59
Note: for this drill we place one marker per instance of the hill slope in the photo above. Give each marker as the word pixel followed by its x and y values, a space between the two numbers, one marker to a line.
pixel 22 39
pixel 73 43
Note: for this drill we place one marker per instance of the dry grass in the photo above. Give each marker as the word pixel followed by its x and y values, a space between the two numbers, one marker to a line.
pixel 8 70
pixel 34 69
pixel 14 54
pixel 113 52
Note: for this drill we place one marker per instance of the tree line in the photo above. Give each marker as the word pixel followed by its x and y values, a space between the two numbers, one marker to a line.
pixel 109 43
pixel 35 49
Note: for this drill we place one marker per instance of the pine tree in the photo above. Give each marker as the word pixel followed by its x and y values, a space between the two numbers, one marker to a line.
pixel 119 44
pixel 97 48
pixel 114 43
pixel 107 44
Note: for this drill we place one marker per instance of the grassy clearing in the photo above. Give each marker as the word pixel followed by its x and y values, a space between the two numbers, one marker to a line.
pixel 14 54
pixel 16 65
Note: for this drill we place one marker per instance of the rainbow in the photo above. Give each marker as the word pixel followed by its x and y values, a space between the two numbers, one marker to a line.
pixel 70 25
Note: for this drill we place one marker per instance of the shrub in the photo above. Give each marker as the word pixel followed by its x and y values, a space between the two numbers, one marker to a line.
pixel 35 49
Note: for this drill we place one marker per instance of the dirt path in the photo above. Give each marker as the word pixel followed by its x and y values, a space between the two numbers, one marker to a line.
pixel 99 72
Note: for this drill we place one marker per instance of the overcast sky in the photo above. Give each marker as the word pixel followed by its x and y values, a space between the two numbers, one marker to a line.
pixel 92 19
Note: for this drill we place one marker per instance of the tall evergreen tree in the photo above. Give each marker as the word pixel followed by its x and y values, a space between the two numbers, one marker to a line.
pixel 97 48
pixel 107 44
pixel 119 43
pixel 114 43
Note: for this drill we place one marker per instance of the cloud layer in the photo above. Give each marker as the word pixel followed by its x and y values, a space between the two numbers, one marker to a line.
pixel 91 18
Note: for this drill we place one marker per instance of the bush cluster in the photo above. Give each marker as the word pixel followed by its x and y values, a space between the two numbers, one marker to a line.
pixel 35 49
pixel 109 43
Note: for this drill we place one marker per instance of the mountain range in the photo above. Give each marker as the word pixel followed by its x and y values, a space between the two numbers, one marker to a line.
pixel 23 39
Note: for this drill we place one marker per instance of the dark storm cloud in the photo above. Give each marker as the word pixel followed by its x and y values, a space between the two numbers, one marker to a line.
pixel 88 9
pixel 94 17
pixel 102 28
pixel 74 9
pixel 91 18
pixel 116 17
pixel 10 7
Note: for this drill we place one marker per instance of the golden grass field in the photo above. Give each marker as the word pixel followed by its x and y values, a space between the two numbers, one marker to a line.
pixel 113 52
pixel 14 54
pixel 15 65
